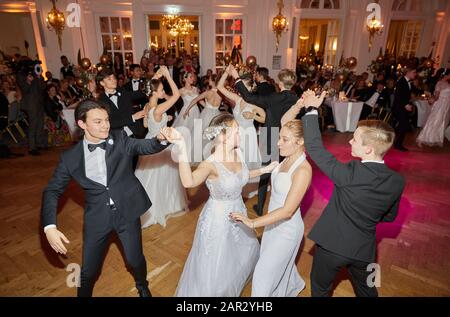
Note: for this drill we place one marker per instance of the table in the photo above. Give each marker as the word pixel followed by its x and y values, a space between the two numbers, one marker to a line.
pixel 423 111
pixel 69 116
pixel 346 115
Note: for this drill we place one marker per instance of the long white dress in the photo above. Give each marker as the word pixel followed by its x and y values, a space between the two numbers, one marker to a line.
pixel 207 114
pixel 435 127
pixel 158 173
pixel 188 127
pixel 223 253
pixel 248 136
pixel 276 274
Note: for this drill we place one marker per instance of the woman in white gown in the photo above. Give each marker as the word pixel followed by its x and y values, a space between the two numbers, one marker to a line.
pixel 186 123
pixel 158 173
pixel 435 127
pixel 223 253
pixel 245 114
pixel 212 103
pixel 276 273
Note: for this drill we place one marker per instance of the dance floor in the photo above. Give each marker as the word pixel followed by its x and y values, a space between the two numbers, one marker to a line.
pixel 413 251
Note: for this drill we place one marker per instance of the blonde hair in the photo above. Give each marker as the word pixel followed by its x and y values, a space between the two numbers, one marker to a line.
pixel 296 127
pixel 377 133
pixel 287 77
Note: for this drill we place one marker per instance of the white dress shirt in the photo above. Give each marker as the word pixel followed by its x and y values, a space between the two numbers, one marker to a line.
pixel 135 83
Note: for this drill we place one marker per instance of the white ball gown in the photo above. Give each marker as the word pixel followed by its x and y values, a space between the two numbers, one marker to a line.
pixel 224 252
pixel 207 114
pixel 248 144
pixel 187 126
pixel 276 274
pixel 158 173
pixel 435 128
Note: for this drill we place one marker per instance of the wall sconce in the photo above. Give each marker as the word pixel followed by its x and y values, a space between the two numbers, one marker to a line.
pixel 374 25
pixel 56 21
pixel 279 23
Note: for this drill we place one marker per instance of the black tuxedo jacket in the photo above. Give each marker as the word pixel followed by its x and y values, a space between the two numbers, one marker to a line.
pixel 275 106
pixel 364 194
pixel 140 100
pixel 122 185
pixel 402 97
pixel 264 89
pixel 122 116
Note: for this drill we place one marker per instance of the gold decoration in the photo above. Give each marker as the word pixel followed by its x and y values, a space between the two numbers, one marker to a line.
pixel 79 82
pixel 104 59
pixel 279 23
pixel 250 61
pixel 85 63
pixel 176 25
pixel 56 21
pixel 351 62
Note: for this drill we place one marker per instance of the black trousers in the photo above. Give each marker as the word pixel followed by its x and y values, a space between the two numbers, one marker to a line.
pixel 327 264
pixel 401 129
pixel 262 190
pixel 94 247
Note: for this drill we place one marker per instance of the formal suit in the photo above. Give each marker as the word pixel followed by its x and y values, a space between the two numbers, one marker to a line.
pixel 115 199
pixel 264 89
pixel 401 99
pixel 275 106
pixel 120 116
pixel 139 103
pixel 364 194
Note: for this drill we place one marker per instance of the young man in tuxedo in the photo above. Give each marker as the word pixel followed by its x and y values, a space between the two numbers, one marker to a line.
pixel 275 105
pixel 263 87
pixel 115 199
pixel 366 192
pixel 402 108
pixel 120 103
pixel 135 85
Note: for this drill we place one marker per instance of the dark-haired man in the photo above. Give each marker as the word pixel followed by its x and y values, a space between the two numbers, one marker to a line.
pixel 115 199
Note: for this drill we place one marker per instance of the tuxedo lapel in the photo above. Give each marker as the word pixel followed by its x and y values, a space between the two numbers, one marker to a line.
pixel 108 156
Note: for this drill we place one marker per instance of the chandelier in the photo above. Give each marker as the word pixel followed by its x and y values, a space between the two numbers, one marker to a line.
pixel 56 21
pixel 176 25
pixel 279 22
pixel 374 26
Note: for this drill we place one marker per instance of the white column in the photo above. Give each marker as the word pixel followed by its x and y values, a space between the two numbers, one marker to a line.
pixel 139 30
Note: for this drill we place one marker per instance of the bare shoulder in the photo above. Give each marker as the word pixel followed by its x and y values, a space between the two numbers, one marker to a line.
pixel 304 171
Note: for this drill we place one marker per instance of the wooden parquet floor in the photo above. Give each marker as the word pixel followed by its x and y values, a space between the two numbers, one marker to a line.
pixel 413 252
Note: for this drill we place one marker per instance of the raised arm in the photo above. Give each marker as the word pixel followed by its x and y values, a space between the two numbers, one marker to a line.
pixel 338 172
pixel 258 100
pixel 188 177
pixel 292 113
pixel 301 180
pixel 194 101
pixel 221 87
pixel 143 146
pixel 166 105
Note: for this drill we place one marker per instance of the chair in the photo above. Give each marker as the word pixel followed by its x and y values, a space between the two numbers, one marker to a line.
pixel 14 116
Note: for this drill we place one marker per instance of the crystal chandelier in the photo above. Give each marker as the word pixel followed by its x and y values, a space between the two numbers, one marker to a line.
pixel 169 20
pixel 56 21
pixel 184 27
pixel 176 25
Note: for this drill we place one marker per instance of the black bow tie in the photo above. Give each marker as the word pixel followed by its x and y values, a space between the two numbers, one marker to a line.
pixel 114 94
pixel 92 147
pixel 136 80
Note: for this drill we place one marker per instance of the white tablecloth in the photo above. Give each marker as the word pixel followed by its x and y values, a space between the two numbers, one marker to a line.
pixel 346 115
pixel 69 116
pixel 423 111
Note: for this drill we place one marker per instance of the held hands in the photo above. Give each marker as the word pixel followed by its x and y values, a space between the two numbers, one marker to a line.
pixel 238 217
pixel 139 115
pixel 232 71
pixel 269 168
pixel 172 135
pixel 409 108
pixel 56 238
pixel 311 100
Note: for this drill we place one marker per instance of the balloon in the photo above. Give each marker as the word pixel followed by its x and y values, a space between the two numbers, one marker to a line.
pixel 351 62
pixel 79 82
pixel 104 59
pixel 250 61
pixel 85 63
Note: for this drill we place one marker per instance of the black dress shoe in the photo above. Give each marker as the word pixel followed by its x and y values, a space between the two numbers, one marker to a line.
pixel 34 152
pixel 401 148
pixel 144 293
pixel 255 209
